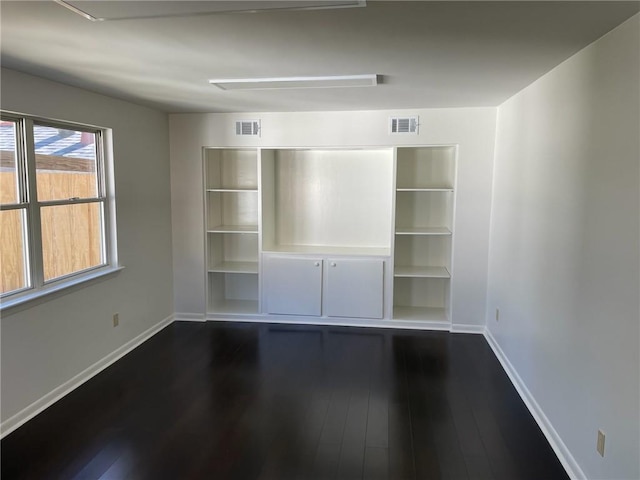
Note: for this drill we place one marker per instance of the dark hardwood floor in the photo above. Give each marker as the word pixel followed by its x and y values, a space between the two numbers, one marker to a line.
pixel 247 401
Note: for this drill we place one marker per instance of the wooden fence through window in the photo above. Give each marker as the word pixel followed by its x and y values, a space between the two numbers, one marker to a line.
pixel 71 234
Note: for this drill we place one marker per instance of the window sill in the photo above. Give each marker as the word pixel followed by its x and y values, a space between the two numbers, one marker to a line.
pixel 29 297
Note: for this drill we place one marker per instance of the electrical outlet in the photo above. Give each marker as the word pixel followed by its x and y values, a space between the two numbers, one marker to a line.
pixel 600 445
pixel 497 314
pixel 116 319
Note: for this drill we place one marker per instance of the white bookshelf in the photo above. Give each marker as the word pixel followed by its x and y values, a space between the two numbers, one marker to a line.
pixel 425 181
pixel 330 233
pixel 232 228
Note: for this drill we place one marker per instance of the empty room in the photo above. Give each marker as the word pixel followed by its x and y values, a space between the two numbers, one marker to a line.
pixel 320 239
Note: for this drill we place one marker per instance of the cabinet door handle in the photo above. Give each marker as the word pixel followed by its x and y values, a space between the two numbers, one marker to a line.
pixel 333 264
pixel 317 264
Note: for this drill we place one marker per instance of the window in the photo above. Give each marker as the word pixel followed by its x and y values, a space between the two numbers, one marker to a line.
pixel 56 227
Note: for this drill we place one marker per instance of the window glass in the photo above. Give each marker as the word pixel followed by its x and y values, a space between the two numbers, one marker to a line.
pixel 14 270
pixel 53 174
pixel 65 163
pixel 8 171
pixel 72 238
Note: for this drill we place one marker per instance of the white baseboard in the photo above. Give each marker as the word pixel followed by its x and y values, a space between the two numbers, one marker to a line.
pixel 189 317
pixel 562 452
pixel 337 322
pixel 67 387
pixel 476 329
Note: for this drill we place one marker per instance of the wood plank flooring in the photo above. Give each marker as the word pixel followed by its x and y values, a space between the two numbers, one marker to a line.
pixel 248 401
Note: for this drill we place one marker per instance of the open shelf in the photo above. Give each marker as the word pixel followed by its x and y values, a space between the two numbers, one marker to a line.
pixel 420 297
pixel 317 201
pixel 235 267
pixel 231 208
pixel 236 307
pixel 425 314
pixel 426 189
pixel 423 256
pixel 425 168
pixel 424 209
pixel 329 250
pixel 422 231
pixel 231 169
pixel 232 252
pixel 234 229
pixel 233 190
pixel 232 293
pixel 421 272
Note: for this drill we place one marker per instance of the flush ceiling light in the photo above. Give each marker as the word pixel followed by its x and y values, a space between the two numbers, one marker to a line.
pixel 368 80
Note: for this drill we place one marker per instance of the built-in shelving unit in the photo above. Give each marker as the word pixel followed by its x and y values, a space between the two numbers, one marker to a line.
pixel 325 232
pixel 232 227
pixel 425 180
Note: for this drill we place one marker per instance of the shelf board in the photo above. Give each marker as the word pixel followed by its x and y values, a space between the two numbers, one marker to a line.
pixel 234 229
pixel 422 231
pixel 329 250
pixel 232 190
pixel 235 267
pixel 235 307
pixel 421 272
pixel 425 189
pixel 428 314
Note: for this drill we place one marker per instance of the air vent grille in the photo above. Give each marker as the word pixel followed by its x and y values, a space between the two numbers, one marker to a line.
pixel 248 127
pixel 405 125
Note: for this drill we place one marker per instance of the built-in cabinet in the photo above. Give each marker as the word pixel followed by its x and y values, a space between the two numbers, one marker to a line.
pixel 292 285
pixel 354 288
pixel 317 286
pixel 357 233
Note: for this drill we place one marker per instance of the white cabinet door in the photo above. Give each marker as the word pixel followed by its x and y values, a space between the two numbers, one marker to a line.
pixel 293 286
pixel 354 288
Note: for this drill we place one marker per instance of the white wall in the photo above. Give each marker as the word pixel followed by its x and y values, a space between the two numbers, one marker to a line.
pixel 473 129
pixel 47 343
pixel 564 257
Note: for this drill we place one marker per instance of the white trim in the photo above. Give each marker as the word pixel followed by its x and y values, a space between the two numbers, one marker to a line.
pixel 189 317
pixel 71 281
pixel 337 322
pixel 476 329
pixel 67 387
pixel 562 452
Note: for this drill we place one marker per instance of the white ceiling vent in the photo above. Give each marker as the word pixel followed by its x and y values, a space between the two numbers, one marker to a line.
pixel 404 125
pixel 248 128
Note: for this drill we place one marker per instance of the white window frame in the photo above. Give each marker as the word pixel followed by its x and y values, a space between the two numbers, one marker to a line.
pixel 28 202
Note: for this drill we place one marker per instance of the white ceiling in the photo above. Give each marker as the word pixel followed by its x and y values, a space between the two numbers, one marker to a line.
pixel 430 54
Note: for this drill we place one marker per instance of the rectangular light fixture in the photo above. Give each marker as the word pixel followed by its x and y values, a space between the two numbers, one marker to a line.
pixel 368 80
